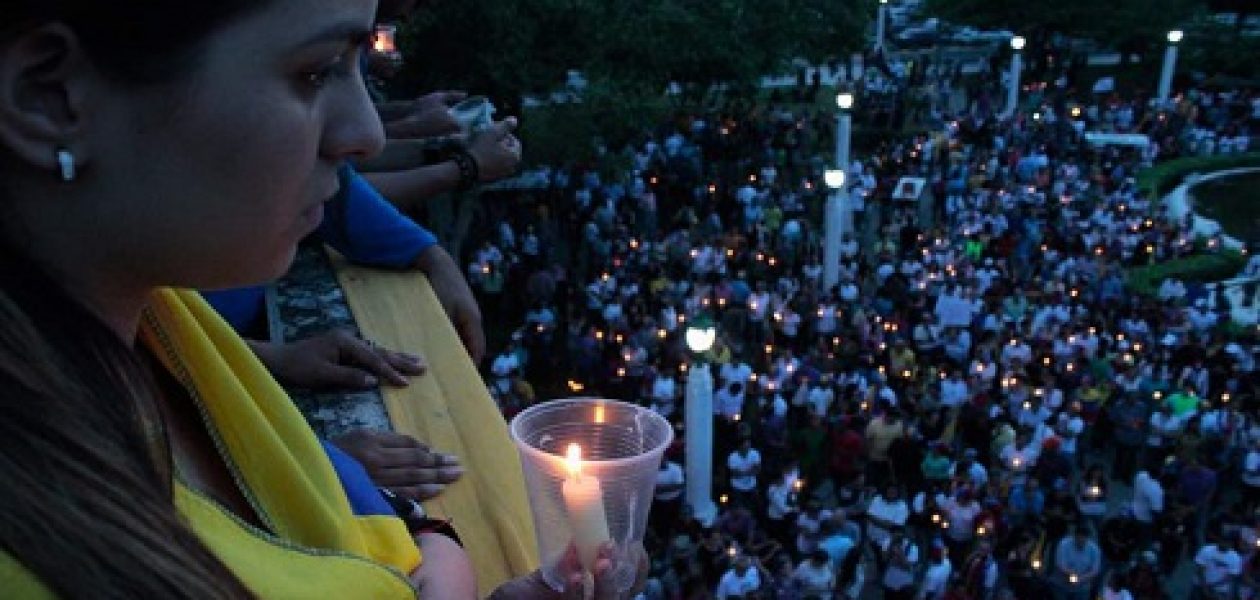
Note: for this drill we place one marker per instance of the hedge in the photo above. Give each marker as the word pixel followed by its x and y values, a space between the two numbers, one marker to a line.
pixel 1200 268
pixel 1163 178
pixel 1157 182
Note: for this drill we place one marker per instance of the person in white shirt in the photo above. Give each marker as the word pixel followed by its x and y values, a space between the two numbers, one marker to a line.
pixel 1148 498
pixel 729 400
pixel 936 576
pixel 900 560
pixel 744 464
pixel 1218 569
pixel 781 504
pixel 668 496
pixel 734 371
pixel 954 390
pixel 741 580
pixel 1251 473
pixel 664 394
pixel 886 512
pixel 809 527
pixel 821 396
pixel 814 576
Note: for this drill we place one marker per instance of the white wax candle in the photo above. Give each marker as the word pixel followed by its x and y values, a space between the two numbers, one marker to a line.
pixel 584 501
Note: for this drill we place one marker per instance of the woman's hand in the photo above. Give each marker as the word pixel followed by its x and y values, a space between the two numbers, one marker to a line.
pixel 337 359
pixel 401 463
pixel 456 298
pixel 496 150
pixel 601 585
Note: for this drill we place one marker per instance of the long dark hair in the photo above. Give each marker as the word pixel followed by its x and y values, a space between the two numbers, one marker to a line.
pixel 87 507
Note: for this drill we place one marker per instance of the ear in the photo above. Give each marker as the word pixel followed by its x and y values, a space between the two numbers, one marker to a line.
pixel 44 80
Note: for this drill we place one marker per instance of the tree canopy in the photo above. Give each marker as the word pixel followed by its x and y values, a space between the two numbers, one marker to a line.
pixel 1112 22
pixel 514 47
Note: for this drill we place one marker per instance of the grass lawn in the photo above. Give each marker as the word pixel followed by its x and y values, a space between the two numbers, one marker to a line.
pixel 1234 202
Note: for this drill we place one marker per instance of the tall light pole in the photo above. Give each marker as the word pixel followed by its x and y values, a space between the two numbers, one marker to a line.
pixel 698 421
pixel 1170 64
pixel 881 24
pixel 1017 64
pixel 838 216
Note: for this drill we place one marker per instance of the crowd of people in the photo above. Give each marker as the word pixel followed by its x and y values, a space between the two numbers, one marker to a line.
pixel 979 408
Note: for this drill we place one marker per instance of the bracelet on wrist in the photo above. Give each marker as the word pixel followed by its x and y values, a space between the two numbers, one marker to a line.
pixel 469 170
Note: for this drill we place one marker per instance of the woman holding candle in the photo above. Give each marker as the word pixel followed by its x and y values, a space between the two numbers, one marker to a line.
pixel 1091 495
pixel 146 147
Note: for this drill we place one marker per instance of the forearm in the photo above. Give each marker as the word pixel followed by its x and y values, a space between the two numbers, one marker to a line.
pixel 398 155
pixel 410 188
pixel 265 351
pixel 394 109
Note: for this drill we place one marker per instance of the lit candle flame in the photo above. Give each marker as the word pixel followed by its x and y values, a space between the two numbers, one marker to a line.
pixel 573 460
pixel 599 416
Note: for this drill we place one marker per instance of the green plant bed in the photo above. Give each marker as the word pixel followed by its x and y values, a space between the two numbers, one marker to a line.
pixel 1163 178
pixel 1234 202
pixel 1202 268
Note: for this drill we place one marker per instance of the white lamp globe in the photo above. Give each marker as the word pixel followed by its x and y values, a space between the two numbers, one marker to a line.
pixel 844 100
pixel 1175 36
pixel 834 178
pixel 1017 42
pixel 700 340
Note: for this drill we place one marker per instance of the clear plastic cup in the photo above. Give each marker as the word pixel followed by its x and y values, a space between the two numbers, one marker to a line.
pixel 473 114
pixel 621 448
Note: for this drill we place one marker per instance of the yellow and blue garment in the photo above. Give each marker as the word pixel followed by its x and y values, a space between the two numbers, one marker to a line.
pixel 314 545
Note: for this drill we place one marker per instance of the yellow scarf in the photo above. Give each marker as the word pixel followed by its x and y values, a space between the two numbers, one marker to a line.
pixel 317 547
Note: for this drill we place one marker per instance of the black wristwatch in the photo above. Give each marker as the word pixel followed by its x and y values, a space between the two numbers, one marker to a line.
pixel 417 520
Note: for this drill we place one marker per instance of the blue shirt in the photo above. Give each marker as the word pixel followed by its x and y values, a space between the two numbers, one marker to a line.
pixel 361 224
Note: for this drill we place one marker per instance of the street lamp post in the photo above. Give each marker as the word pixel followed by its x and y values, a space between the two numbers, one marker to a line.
pixel 838 217
pixel 1017 64
pixel 698 422
pixel 881 24
pixel 1170 64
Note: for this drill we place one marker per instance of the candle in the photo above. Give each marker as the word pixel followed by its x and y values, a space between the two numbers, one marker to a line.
pixel 584 502
pixel 383 39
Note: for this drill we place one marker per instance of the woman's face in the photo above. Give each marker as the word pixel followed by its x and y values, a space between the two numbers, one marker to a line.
pixel 212 181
